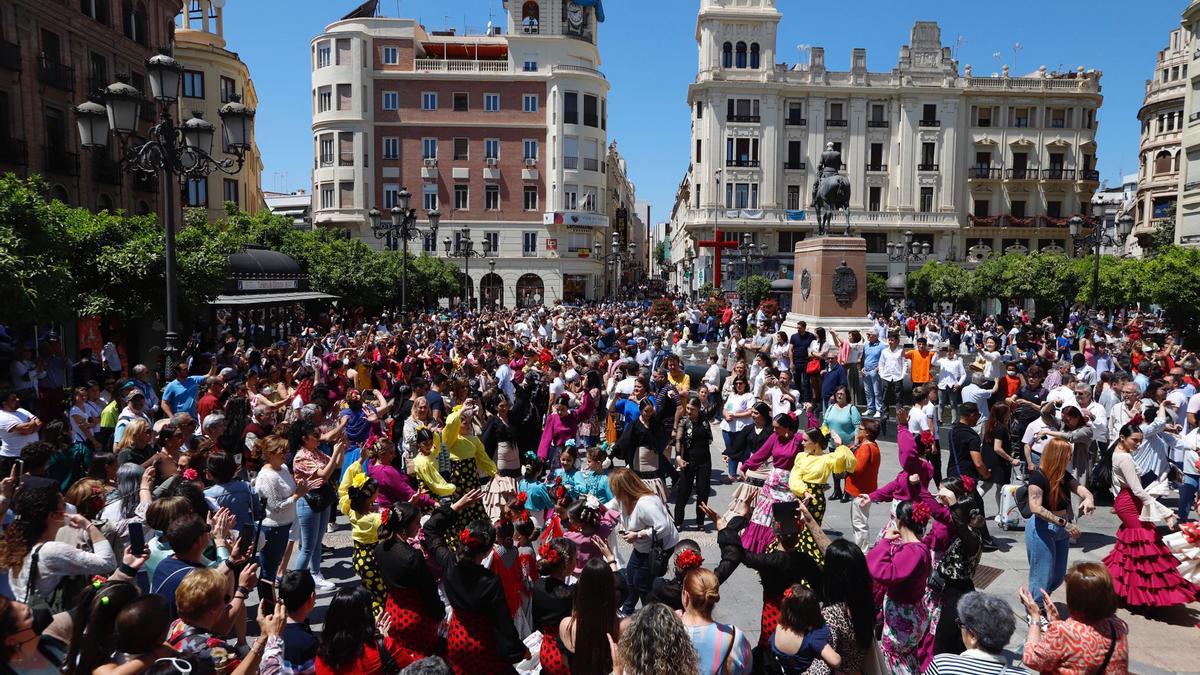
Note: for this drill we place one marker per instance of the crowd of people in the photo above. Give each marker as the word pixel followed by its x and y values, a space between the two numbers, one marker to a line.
pixel 516 484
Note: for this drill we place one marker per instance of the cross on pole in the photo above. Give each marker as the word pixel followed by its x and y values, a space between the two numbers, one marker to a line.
pixel 717 245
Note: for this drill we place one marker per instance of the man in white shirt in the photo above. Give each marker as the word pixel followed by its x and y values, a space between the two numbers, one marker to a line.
pixel 1034 442
pixel 952 375
pixel 18 428
pixel 891 373
pixel 980 392
pixel 1096 416
pixel 1084 373
pixel 645 355
pixel 1176 402
pixel 504 375
pixel 780 395
pixel 1064 394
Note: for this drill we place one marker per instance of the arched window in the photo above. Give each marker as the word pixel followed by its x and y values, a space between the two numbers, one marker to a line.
pixel 741 55
pixel 1162 163
pixel 755 59
pixel 104 203
pixel 727 55
pixel 530 17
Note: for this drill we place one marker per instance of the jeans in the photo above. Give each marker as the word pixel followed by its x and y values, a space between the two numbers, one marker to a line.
pixel 732 464
pixel 873 386
pixel 950 399
pixel 1187 494
pixel 312 529
pixel 638 578
pixel 1046 547
pixel 275 539
pixel 800 381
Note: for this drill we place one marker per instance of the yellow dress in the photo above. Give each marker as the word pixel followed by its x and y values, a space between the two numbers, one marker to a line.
pixel 469 462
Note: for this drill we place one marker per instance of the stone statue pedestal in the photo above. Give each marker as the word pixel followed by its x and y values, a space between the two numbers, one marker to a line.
pixel 829 284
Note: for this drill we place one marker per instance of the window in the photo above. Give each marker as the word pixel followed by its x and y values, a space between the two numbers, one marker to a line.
pixel 1058 118
pixel 741 195
pixel 531 149
pixel 193 84
pixel 328 199
pixel 391 195
pixel 230 191
pixel 1021 117
pixel 740 61
pixel 491 243
pixel 1017 208
pixel 529 244
pixel 228 89
pixel 345 100
pixel 530 17
pixel 391 148
pixel 741 152
pixel 876 243
pixel 788 241
pixel 1054 209
pixel 429 197
pixel 96 9
pixel 324 99
pixel 197 192
pixel 983 117
pixel 391 100
pixel 875 161
pixel 727 55
pixel 874 198
pixel 795 156
pixel 529 103
pixel 926 200
pixel 793 197
pixel 928 157
pixel 429 148
pixel 570 108
pixel 391 56
pixel 491 197
pixel 570 152
pixel 136 22
pixel 929 112
pixel 591 111
pixel 795 111
pixel 462 197
pixel 983 159
pixel 699 110
pixel 590 201
pixel 531 198
pixel 429 100
pixel 836 112
pixel 742 110
pixel 462 101
pixel 326 153
pixel 491 148
pixel 346 194
pixel 755 57
pixel 983 208
pixel 604 114
pixel 99 72
pixel 591 155
pixel 491 102
pixel 697 195
pixel 429 244
pixel 346 148
pixel 699 153
pixel 342 47
pixel 878 113
pixel 570 197
pixel 529 67
pixel 324 54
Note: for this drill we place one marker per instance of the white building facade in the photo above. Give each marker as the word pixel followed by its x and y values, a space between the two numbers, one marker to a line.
pixel 1187 212
pixel 1160 152
pixel 503 133
pixel 960 161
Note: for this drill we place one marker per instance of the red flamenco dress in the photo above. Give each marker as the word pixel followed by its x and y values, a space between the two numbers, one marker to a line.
pixel 552 602
pixel 1144 571
pixel 482 636
pixel 411 601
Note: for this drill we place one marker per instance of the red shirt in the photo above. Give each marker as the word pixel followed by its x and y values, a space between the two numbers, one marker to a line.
pixel 367 664
pixel 206 405
pixel 1011 385
pixel 865 478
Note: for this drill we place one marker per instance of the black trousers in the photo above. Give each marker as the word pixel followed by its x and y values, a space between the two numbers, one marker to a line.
pixel 695 478
pixel 893 394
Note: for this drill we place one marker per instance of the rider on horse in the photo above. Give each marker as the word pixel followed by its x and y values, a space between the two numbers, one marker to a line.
pixel 830 165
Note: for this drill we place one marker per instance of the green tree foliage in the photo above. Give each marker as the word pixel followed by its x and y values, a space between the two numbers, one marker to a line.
pixel 1171 280
pixel 937 281
pixel 753 290
pixel 876 289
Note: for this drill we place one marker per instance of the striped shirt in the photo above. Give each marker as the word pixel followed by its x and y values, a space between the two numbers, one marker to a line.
pixel 973 662
pixel 712 642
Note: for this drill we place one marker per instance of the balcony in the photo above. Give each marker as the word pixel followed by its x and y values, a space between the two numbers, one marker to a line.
pixel 837 123
pixel 326 160
pixel 985 173
pixel 144 182
pixel 751 119
pixel 794 166
pixel 1089 176
pixel 106 171
pixel 1058 173
pixel 1022 174
pixel 570 163
pixel 591 164
pixel 742 162
pixel 878 168
pixel 459 66
pixel 59 161
pixel 929 124
pixel 877 124
pixel 795 122
pixel 56 74
pixel 927 167
pixel 584 70
pixel 10 56
pixel 13 152
pixel 1194 116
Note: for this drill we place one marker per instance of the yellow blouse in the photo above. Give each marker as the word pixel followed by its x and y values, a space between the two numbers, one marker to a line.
pixel 815 469
pixel 464 447
pixel 426 469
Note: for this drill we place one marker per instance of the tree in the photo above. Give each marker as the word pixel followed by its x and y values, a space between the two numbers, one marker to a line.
pixel 753 290
pixel 430 279
pixel 876 290
pixel 1171 280
pixel 938 281
pixel 38 278
pixel 661 254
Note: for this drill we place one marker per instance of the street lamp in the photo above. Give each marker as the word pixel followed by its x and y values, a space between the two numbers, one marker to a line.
pixel 466 251
pixel 749 253
pixel 908 252
pixel 402 227
pixel 1097 239
pixel 611 261
pixel 172 151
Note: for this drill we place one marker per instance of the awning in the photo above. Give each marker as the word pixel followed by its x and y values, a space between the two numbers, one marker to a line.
pixel 270 298
pixel 598 4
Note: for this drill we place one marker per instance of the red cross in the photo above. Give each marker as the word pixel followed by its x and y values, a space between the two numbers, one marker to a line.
pixel 717 245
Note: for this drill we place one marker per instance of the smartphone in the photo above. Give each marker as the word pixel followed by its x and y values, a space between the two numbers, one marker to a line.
pixel 20 471
pixel 137 538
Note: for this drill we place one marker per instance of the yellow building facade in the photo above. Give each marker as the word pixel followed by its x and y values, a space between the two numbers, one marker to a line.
pixel 213 76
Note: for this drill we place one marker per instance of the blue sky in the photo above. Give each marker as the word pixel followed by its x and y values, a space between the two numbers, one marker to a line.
pixel 649 55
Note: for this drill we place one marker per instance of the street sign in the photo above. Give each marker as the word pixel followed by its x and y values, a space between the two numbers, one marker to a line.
pixel 551 244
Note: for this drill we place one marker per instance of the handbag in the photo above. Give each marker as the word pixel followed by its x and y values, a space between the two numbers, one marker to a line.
pixel 813 367
pixel 660 555
pixel 321 498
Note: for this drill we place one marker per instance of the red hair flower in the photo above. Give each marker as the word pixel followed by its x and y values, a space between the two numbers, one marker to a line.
pixel 688 560
pixel 522 496
pixel 921 513
pixel 549 554
pixel 927 438
pixel 467 539
pixel 384 516
pixel 1191 531
pixel 968 483
pixel 789 593
pixel 190 474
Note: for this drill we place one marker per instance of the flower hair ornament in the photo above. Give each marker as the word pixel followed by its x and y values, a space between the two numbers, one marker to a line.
pixel 468 539
pixel 359 480
pixel 522 497
pixel 549 554
pixel 591 503
pixel 1191 532
pixel 789 593
pixel 921 513
pixel 688 560
pixel 99 580
pixel 825 430
pixel 968 484
pixel 191 474
pixel 927 438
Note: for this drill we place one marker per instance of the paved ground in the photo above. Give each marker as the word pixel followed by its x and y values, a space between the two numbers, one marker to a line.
pixel 1168 643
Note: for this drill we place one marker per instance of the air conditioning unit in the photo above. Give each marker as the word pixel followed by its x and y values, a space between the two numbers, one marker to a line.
pixel 530 161
pixel 430 162
pixel 492 161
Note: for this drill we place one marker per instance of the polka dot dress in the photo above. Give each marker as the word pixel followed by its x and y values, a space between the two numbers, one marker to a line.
pixel 414 635
pixel 552 659
pixel 471 646
pixel 367 568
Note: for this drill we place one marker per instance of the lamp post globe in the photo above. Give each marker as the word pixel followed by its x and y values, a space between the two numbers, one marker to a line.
pixel 92 120
pixel 122 102
pixel 237 125
pixel 403 199
pixel 1075 225
pixel 164 74
pixel 198 133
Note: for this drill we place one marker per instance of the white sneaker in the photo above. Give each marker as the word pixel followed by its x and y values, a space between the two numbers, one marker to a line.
pixel 323 585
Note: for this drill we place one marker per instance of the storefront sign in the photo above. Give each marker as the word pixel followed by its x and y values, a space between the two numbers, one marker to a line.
pixel 266 284
pixel 575 219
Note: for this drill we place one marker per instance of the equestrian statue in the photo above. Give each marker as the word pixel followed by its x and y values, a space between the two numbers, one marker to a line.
pixel 830 191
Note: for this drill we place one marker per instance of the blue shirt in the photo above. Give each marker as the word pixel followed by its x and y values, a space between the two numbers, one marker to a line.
pixel 299 647
pixel 537 498
pixel 628 410
pixel 235 496
pixel 167 577
pixel 871 354
pixel 181 396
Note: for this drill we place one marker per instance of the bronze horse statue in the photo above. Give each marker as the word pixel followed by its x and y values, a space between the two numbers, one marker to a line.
pixel 833 195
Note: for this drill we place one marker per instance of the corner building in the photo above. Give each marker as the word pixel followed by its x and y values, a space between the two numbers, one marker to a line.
pixel 504 133
pixel 972 165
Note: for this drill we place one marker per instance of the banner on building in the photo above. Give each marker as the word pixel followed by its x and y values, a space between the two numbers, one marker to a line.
pixel 796 215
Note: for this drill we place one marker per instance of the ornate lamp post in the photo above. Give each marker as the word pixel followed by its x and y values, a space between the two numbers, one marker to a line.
pixel 612 261
pixel 908 252
pixel 466 251
pixel 749 253
pixel 173 151
pixel 402 227
pixel 1097 239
